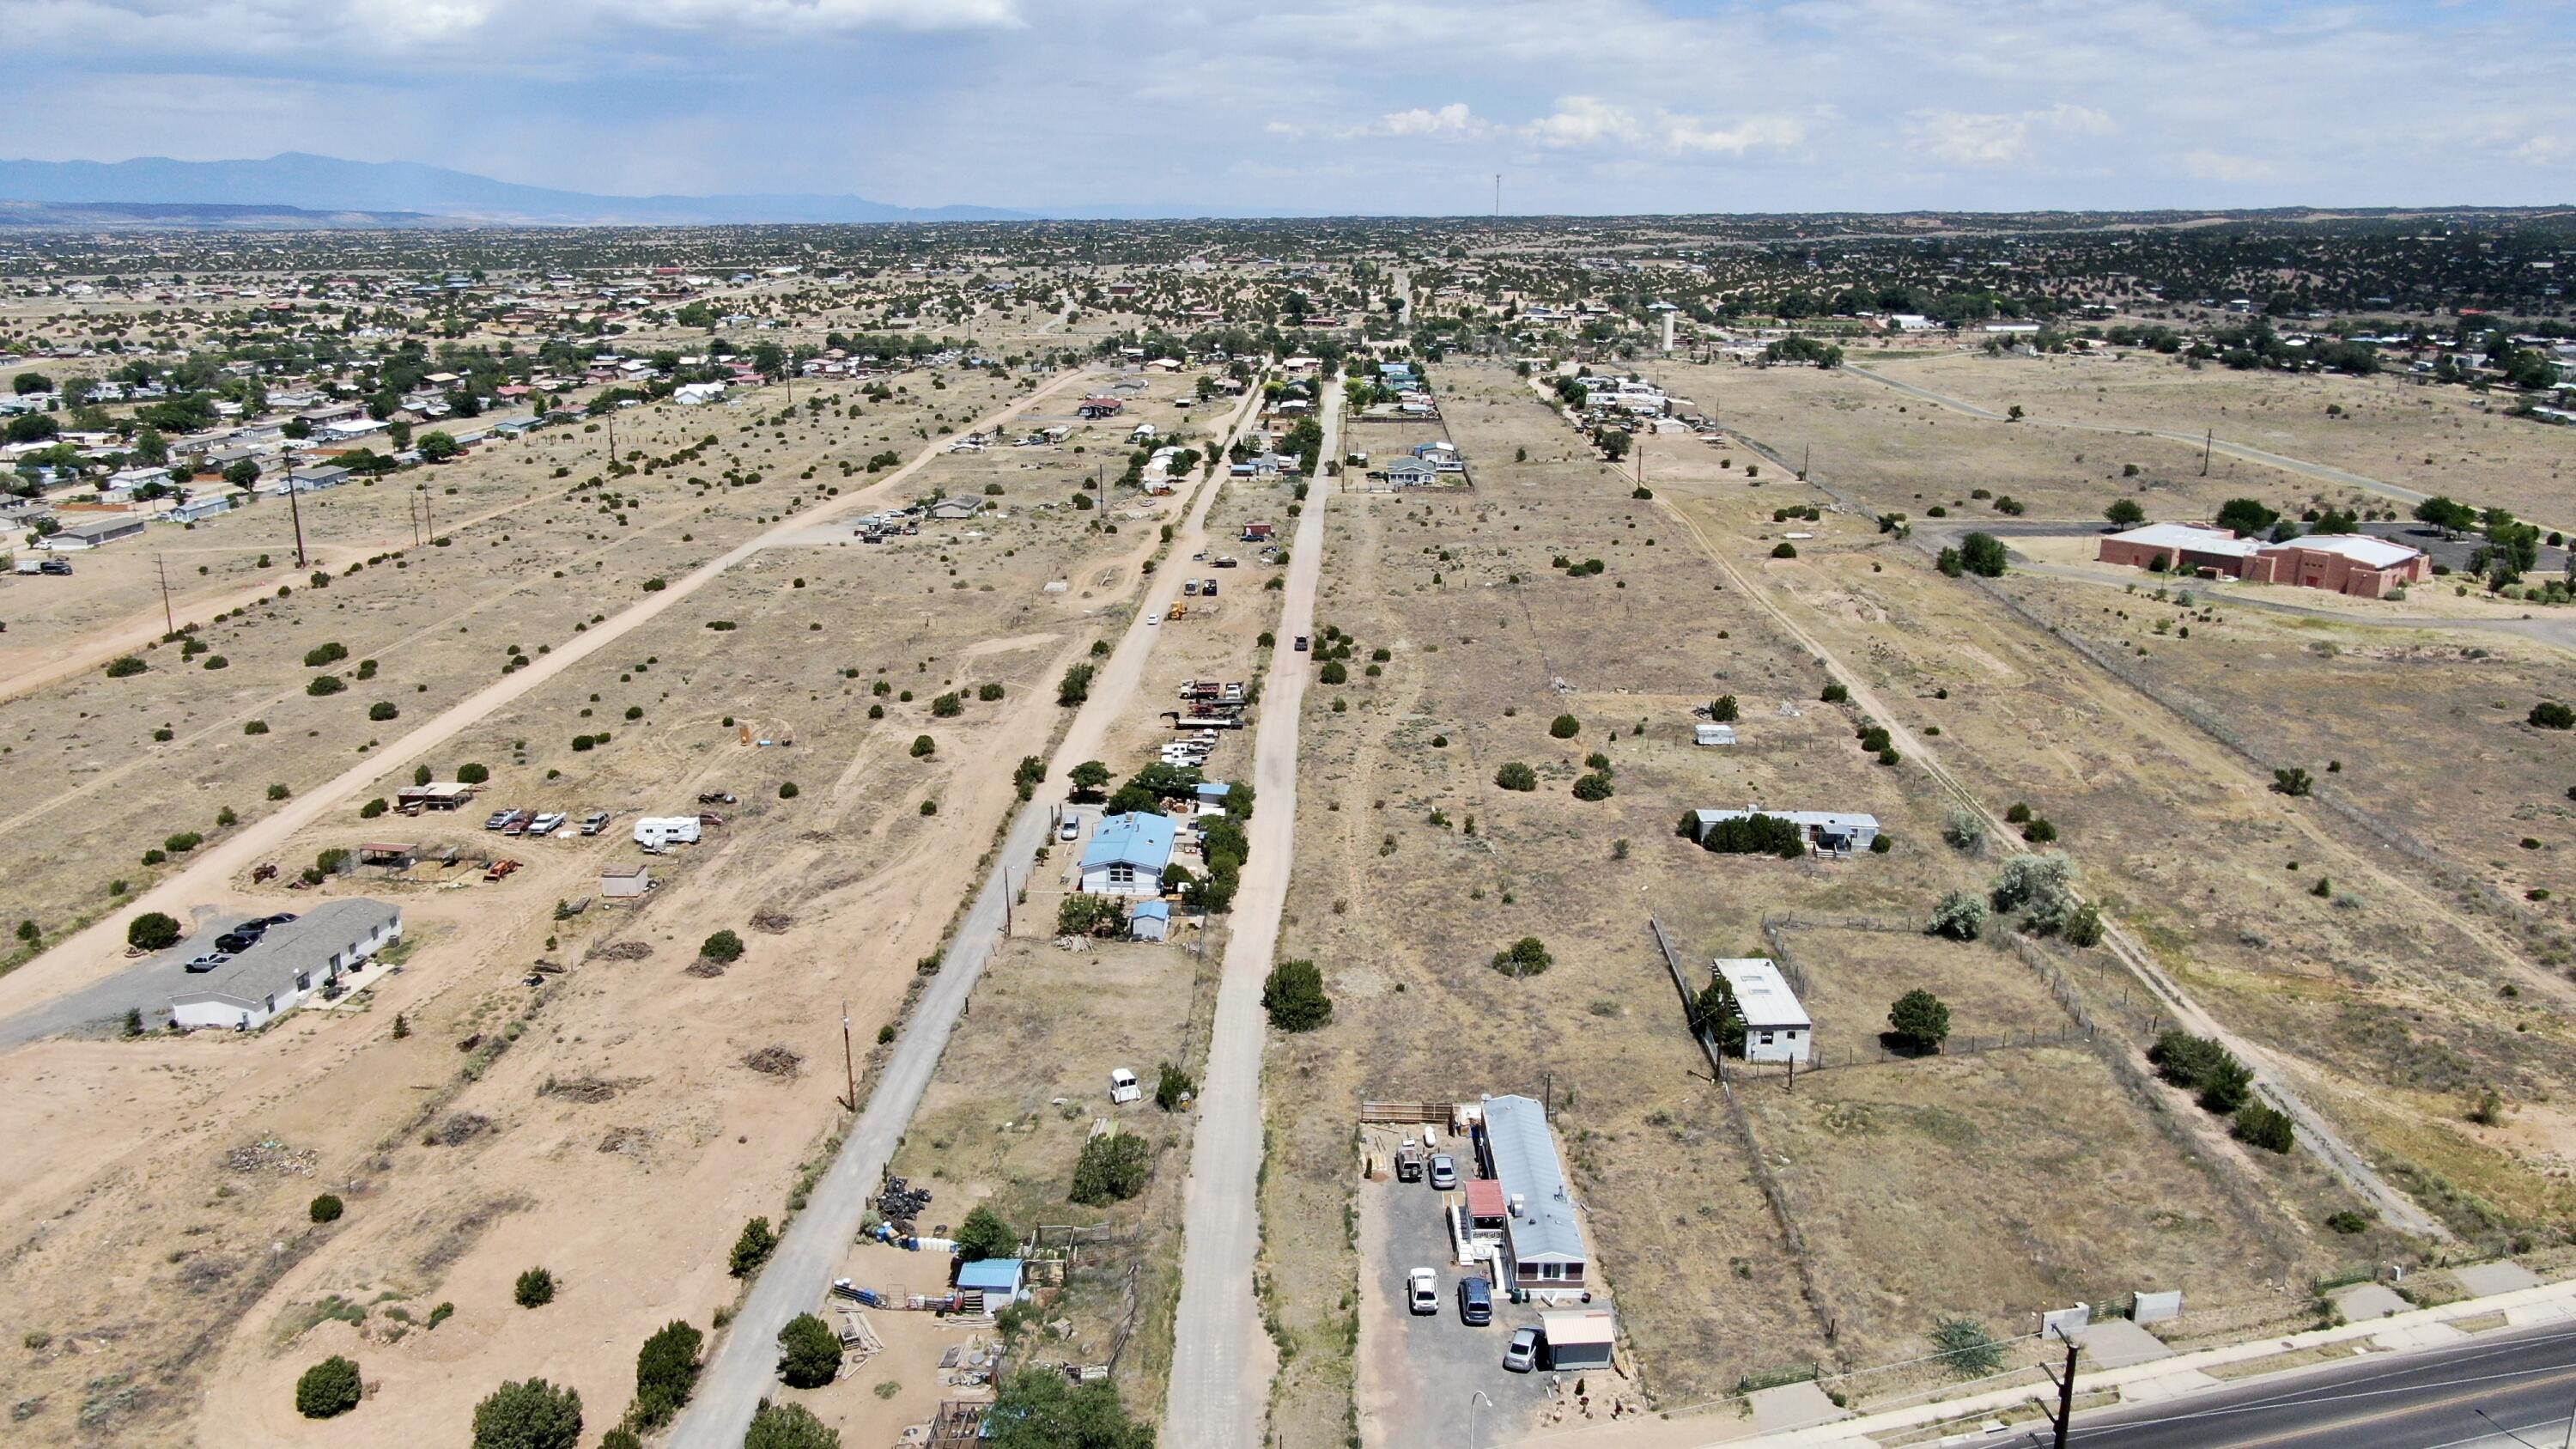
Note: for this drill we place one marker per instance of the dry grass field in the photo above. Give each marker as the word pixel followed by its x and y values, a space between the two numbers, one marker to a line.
pixel 1414 868
pixel 2392 427
pixel 606 1125
pixel 2400 1004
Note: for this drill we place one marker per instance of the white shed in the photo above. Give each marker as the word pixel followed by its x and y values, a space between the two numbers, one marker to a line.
pixel 1713 734
pixel 1776 1028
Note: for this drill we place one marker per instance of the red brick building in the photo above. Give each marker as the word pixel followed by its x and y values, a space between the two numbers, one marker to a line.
pixel 2345 563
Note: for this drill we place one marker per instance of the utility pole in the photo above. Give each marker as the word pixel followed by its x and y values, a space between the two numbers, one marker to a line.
pixel 167 622
pixel 1806 462
pixel 849 1063
pixel 1498 196
pixel 2208 443
pixel 2065 1391
pixel 295 509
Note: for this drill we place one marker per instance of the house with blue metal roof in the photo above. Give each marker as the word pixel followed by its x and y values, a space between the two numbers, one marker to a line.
pixel 1127 855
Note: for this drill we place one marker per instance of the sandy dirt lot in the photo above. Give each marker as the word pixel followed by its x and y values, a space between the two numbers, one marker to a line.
pixel 462 1167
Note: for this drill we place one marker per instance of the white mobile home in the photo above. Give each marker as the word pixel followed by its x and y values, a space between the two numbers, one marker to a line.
pixel 292 962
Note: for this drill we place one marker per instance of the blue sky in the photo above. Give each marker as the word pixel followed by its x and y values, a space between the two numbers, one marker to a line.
pixel 1376 106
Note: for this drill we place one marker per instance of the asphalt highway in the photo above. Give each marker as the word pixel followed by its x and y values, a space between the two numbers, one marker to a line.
pixel 2470 1394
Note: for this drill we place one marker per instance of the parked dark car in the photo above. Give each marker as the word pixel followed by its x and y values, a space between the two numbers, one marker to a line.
pixel 1475 1302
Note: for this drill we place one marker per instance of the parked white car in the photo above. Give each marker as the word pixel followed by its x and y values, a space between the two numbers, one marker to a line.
pixel 1422 1291
pixel 1122 1086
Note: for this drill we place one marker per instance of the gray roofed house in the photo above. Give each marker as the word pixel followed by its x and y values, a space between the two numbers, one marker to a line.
pixel 287 965
pixel 1543 1252
pixel 1827 832
pixel 96 531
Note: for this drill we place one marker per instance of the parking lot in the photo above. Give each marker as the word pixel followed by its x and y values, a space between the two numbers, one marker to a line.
pixel 146 986
pixel 1419 1375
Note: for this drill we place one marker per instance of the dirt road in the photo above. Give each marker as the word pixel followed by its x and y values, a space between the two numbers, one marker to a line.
pixel 81 958
pixel 744 1366
pixel 1221 1365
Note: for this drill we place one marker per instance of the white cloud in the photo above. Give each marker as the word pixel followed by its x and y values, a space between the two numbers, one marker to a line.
pixel 1973 138
pixel 1450 120
pixel 1588 121
pixel 2220 166
pixel 378 27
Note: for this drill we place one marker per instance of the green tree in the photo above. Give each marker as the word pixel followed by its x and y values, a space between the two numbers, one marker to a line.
pixel 1171 1084
pixel 666 1373
pixel 1075 687
pixel 984 1235
pixel 1090 778
pixel 2125 512
pixel 536 1288
pixel 1717 1011
pixel 1038 1409
pixel 324 1209
pixel 1959 916
pixel 1293 996
pixel 1564 727
pixel 1112 1168
pixel 787 1426
pixel 1724 710
pixel 241 473
pixel 2245 516
pixel 1527 956
pixel 752 1249
pixel 152 931
pixel 723 948
pixel 2450 517
pixel 2265 1127
pixel 1516 776
pixel 1919 1020
pixel 1983 554
pixel 329 1388
pixel 2549 714
pixel 439 447
pixel 528 1414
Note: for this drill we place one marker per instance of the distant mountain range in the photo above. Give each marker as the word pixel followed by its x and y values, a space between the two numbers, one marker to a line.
pixel 294 189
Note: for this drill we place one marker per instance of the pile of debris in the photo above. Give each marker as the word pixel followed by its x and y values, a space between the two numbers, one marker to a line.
pixel 901 1202
pixel 456 1129
pixel 776 1061
pixel 703 967
pixel 621 951
pixel 581 1089
pixel 630 1141
pixel 773 922
pixel 271 1155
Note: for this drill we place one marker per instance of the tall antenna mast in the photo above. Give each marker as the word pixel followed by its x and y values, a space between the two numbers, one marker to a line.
pixel 1498 196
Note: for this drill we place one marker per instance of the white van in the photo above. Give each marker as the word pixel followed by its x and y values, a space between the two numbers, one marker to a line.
pixel 1122 1086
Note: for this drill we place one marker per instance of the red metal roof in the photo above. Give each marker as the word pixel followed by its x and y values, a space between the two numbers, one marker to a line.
pixel 1484 1198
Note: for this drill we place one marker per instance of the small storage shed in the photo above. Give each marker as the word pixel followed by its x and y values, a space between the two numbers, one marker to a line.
pixel 998 1279
pixel 1713 734
pixel 625 882
pixel 1150 921
pixel 1579 1338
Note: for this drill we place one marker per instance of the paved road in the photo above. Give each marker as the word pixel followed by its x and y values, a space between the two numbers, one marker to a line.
pixel 2457 1396
pixel 809 1254
pixel 77 961
pixel 1221 1365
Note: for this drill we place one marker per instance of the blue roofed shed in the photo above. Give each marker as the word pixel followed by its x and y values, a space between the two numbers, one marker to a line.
pixel 1150 921
pixel 998 1279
